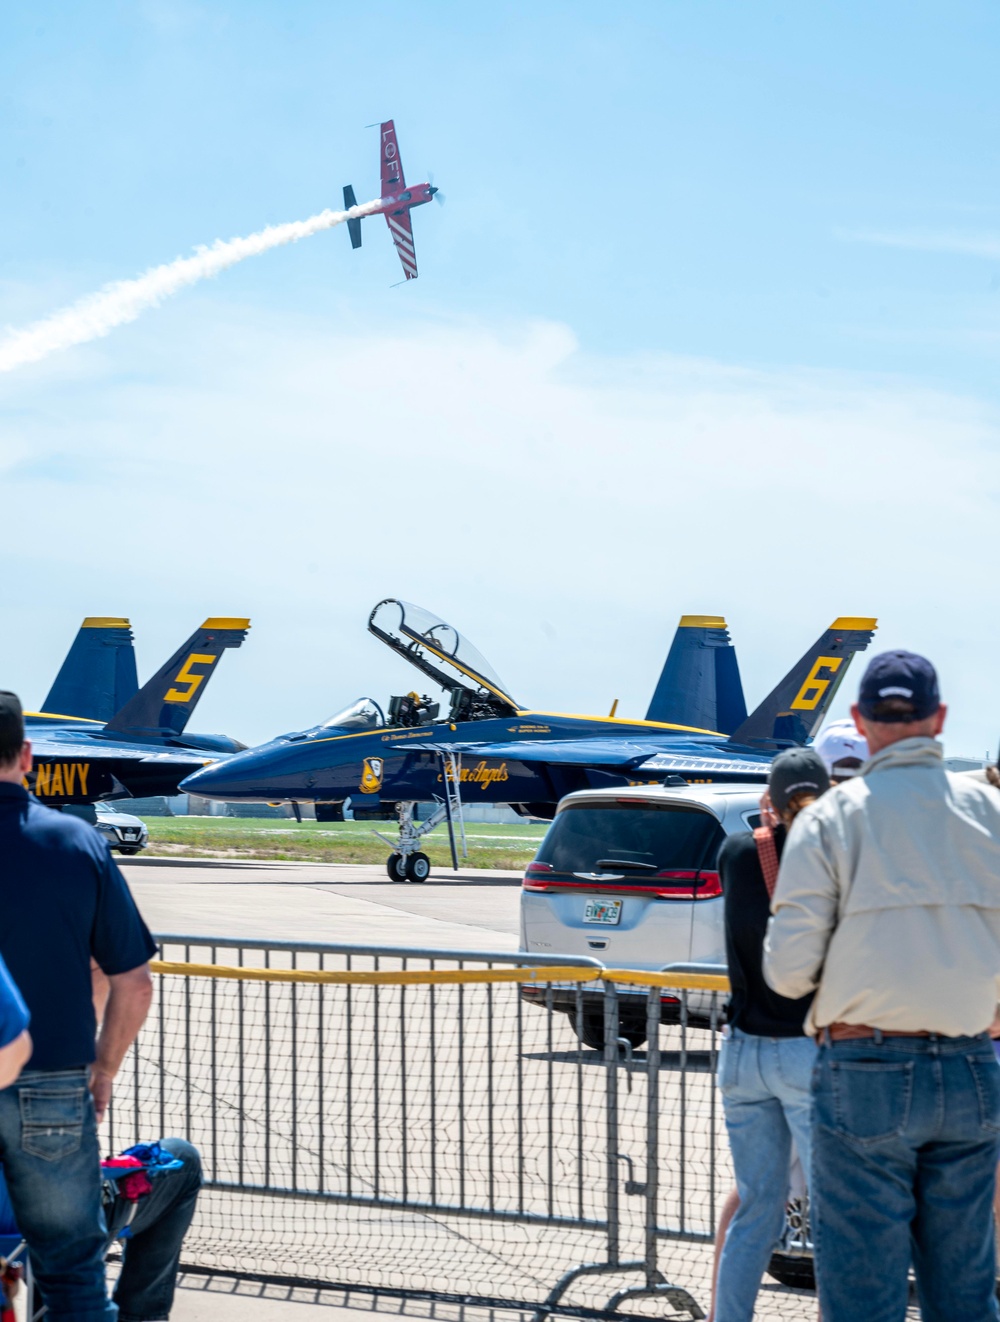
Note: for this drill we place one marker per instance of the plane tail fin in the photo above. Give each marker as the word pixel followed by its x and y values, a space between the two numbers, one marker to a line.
pixel 98 676
pixel 700 682
pixel 165 703
pixel 353 226
pixel 794 711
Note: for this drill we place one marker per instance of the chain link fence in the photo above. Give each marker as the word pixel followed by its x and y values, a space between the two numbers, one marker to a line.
pixel 434 1123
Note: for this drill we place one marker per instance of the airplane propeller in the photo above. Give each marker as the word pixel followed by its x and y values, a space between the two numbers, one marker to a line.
pixel 438 196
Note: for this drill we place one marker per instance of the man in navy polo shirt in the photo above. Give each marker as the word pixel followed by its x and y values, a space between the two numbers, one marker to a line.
pixel 65 903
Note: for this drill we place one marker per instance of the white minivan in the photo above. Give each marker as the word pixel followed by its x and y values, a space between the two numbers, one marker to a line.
pixel 630 877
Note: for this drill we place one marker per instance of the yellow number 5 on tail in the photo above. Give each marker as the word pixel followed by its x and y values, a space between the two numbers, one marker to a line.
pixel 187 677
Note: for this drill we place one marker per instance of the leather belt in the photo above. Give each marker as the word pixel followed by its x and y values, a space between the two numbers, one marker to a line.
pixel 846 1032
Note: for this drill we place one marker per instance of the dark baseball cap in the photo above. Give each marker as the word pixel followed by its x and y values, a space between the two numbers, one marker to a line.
pixel 898 687
pixel 11 720
pixel 796 771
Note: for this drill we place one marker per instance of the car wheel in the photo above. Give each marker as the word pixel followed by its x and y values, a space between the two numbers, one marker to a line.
pixel 592 1031
pixel 395 865
pixel 418 867
pixel 793 1269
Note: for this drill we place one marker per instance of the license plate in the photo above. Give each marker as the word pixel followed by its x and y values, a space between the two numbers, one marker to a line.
pixel 606 912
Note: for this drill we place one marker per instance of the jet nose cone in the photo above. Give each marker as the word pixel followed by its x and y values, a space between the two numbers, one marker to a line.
pixel 257 775
pixel 209 781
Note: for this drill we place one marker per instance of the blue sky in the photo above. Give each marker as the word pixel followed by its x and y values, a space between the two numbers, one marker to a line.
pixel 708 323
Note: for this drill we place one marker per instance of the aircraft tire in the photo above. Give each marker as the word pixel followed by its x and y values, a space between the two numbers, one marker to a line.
pixel 418 867
pixel 395 865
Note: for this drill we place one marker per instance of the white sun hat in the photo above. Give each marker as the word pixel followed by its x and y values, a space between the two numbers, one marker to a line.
pixel 840 742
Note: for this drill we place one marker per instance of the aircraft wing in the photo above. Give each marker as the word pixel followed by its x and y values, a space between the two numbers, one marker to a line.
pixel 402 236
pixel 47 746
pixel 393 182
pixel 74 770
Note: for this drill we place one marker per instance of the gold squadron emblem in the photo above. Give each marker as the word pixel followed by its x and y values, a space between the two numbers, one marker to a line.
pixel 371 775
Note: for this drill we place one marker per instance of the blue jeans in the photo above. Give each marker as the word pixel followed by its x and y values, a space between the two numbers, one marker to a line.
pixel 765 1084
pixel 151 1249
pixel 905 1147
pixel 50 1157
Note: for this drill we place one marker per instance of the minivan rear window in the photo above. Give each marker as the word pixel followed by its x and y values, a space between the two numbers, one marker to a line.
pixel 655 837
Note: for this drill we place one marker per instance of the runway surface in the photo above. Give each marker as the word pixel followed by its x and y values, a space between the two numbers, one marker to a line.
pixel 472 909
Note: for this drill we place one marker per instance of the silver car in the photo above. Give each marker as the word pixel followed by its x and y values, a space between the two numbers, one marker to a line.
pixel 630 877
pixel 122 831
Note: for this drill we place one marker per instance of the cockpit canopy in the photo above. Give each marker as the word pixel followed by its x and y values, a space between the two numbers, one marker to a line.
pixel 365 714
pixel 439 651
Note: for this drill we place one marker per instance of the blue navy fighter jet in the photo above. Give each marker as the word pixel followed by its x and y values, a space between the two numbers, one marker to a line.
pixel 100 736
pixel 490 747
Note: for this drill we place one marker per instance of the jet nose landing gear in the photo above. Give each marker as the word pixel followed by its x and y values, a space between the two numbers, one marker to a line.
pixel 406 862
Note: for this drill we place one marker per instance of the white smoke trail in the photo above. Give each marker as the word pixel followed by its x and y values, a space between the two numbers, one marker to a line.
pixel 98 314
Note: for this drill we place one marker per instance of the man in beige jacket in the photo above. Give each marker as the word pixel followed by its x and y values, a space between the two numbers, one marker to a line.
pixel 888 905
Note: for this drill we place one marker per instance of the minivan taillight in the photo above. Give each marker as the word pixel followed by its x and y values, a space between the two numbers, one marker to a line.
pixel 534 874
pixel 673 885
pixel 690 885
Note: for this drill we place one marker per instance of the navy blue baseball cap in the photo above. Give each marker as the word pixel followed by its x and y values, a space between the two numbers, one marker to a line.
pixel 899 687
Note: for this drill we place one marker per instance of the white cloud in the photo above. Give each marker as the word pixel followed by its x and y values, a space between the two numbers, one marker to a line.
pixel 964 244
pixel 560 507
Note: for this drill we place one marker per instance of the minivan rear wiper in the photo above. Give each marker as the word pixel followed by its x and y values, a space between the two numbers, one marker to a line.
pixel 625 863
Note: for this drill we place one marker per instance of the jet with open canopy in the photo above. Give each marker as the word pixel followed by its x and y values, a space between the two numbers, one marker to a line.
pixel 490 748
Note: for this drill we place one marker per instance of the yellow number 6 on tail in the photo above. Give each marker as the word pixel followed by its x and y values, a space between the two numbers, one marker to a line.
pixel 809 695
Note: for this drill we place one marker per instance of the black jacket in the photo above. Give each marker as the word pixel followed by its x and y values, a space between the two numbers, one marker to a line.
pixel 753 1006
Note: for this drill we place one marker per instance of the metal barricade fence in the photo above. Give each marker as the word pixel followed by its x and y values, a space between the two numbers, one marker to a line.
pixel 409 1120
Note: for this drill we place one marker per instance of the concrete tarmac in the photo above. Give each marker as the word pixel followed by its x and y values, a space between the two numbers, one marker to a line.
pixel 471 909
pixel 220 1299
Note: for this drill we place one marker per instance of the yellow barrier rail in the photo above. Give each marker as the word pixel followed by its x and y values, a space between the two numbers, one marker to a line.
pixel 682 981
pixel 443 977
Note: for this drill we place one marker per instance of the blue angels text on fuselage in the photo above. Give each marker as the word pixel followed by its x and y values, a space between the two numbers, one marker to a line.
pixel 499 751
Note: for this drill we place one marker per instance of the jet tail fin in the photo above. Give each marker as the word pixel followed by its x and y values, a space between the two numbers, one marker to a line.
pixel 700 682
pixel 165 703
pixel 98 676
pixel 353 226
pixel 795 710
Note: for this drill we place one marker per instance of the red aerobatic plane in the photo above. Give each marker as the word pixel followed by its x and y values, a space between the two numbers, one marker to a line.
pixel 397 201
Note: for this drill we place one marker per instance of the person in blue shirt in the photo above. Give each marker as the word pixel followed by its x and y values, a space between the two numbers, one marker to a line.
pixel 65 904
pixel 15 1040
